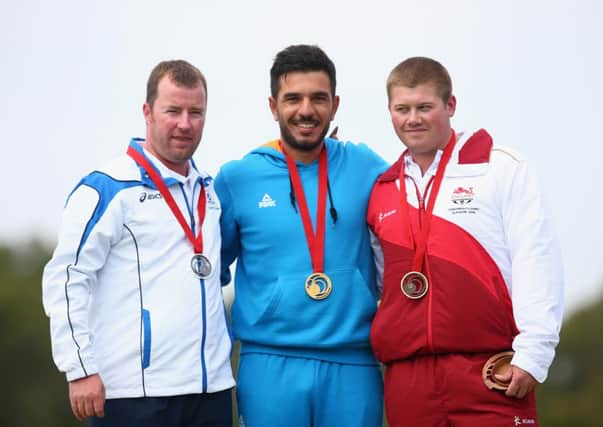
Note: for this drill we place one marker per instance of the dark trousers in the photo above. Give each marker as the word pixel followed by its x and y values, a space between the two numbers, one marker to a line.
pixel 190 410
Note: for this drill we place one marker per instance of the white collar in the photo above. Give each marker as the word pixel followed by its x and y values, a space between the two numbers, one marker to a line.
pixel 189 180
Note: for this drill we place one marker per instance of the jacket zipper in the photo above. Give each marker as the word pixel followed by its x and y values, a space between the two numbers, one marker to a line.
pixel 202 285
pixel 422 211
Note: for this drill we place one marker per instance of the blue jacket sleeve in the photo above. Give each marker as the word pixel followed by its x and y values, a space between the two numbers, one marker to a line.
pixel 228 226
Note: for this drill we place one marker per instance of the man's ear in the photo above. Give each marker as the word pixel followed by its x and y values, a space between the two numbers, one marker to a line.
pixel 335 106
pixel 451 105
pixel 146 111
pixel 272 104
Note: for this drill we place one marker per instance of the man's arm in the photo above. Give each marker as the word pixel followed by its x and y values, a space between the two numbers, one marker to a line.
pixel 379 262
pixel 228 227
pixel 537 281
pixel 83 246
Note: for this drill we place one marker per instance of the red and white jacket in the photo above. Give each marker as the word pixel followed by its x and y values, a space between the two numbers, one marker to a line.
pixel 493 262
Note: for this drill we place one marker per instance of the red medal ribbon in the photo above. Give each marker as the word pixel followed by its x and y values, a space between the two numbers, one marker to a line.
pixel 316 242
pixel 197 242
pixel 420 240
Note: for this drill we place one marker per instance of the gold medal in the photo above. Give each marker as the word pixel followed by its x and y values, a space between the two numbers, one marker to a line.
pixel 414 285
pixel 497 364
pixel 201 266
pixel 318 286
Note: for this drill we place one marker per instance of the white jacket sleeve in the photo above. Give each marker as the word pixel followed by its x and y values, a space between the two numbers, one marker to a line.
pixel 536 276
pixel 87 232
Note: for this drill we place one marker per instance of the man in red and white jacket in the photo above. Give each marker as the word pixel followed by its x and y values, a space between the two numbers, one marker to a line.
pixel 468 263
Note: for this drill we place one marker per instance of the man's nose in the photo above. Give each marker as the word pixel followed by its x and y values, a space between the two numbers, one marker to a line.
pixel 184 121
pixel 306 108
pixel 413 116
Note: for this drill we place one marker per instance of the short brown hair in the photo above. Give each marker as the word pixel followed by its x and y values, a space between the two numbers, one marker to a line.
pixel 180 72
pixel 420 70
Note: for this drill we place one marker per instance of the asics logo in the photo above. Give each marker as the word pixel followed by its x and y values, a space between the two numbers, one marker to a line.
pixel 149 196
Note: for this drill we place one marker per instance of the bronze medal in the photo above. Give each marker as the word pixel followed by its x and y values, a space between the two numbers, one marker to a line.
pixel 497 364
pixel 318 286
pixel 201 266
pixel 414 285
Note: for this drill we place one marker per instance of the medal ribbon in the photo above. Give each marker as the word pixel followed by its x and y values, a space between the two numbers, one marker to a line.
pixel 316 242
pixel 421 238
pixel 197 242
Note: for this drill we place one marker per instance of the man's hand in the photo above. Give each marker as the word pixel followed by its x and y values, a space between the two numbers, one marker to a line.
pixel 521 384
pixel 87 397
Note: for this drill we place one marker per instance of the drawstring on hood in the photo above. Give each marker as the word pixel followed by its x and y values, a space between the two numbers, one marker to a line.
pixel 332 210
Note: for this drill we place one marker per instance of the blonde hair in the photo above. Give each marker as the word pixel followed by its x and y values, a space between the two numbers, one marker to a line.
pixel 420 70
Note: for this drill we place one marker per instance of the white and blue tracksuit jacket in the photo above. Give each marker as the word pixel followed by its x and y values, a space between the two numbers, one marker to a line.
pixel 122 298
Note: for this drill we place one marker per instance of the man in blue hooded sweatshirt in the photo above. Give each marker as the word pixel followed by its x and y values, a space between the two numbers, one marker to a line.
pixel 293 215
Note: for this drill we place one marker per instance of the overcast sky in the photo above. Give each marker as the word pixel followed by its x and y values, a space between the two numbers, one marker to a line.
pixel 530 72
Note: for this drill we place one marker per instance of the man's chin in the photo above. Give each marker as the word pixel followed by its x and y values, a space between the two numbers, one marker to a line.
pixel 303 145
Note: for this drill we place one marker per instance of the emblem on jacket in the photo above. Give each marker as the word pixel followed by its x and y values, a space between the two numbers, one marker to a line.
pixel 211 201
pixel 462 196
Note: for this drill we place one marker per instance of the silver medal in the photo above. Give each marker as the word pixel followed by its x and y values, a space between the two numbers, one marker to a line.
pixel 201 266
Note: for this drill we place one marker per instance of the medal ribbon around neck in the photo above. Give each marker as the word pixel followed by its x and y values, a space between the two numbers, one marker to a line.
pixel 316 242
pixel 197 242
pixel 420 240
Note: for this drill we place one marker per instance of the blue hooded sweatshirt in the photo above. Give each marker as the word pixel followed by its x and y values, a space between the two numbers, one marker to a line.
pixel 264 232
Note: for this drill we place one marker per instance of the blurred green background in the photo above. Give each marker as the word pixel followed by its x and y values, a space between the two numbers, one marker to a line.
pixel 34 394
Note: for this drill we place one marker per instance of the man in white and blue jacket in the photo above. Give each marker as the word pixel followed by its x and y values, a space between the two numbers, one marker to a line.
pixel 132 290
pixel 294 218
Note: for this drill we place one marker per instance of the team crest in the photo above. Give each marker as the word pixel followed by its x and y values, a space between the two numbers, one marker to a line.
pixel 462 196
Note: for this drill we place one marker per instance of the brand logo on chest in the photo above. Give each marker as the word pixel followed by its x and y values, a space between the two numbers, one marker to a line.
pixel 383 215
pixel 149 196
pixel 267 202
